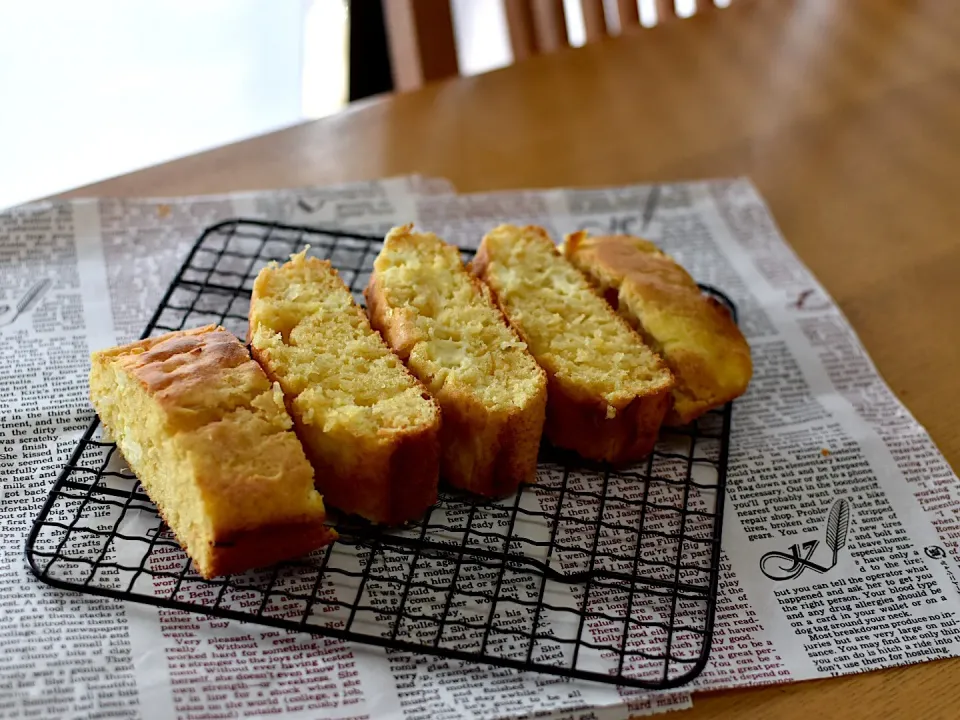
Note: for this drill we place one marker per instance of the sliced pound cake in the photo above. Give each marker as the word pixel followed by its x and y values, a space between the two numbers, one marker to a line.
pixel 694 333
pixel 368 426
pixel 209 438
pixel 607 391
pixel 443 323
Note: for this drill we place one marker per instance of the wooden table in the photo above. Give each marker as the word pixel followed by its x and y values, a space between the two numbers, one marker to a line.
pixel 845 113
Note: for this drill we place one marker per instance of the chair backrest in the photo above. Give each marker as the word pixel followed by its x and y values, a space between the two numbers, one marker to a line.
pixel 423 45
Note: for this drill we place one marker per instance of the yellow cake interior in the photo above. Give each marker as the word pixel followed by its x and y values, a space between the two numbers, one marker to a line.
pixel 208 436
pixel 463 343
pixel 696 337
pixel 339 377
pixel 569 328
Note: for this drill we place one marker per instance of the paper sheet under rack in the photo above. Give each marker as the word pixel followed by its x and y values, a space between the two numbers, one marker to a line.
pixel 841 530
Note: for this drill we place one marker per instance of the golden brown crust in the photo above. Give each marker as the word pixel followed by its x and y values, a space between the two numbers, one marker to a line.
pixel 478 268
pixel 207 434
pixel 392 323
pixel 177 369
pixel 387 475
pixel 695 334
pixel 486 450
pixel 392 483
pixel 266 546
pixel 490 454
pixel 260 547
pixel 576 418
pixel 583 425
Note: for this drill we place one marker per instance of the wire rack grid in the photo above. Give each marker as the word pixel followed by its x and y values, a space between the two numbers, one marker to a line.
pixel 593 572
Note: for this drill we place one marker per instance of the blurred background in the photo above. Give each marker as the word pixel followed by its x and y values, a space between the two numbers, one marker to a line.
pixel 102 87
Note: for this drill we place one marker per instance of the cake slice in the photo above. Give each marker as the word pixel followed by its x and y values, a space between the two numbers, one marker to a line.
pixel 368 426
pixel 208 436
pixel 444 325
pixel 694 333
pixel 607 392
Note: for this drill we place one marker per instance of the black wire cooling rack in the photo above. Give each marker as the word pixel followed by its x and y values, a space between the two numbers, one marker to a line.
pixel 593 572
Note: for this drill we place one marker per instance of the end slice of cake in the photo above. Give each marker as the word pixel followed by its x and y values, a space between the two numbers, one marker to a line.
pixel 607 390
pixel 443 323
pixel 694 333
pixel 368 426
pixel 210 440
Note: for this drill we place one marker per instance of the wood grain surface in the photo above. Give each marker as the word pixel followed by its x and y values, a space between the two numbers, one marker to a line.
pixel 845 114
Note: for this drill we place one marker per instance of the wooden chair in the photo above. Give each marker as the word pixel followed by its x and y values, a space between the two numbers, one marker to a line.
pixel 422 45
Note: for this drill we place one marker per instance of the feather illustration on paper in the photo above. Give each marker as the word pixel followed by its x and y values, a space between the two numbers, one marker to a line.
pixel 778 565
pixel 837 524
pixel 29 301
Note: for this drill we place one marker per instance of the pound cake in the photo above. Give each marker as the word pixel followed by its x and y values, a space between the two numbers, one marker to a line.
pixel 443 324
pixel 368 426
pixel 607 392
pixel 694 333
pixel 210 440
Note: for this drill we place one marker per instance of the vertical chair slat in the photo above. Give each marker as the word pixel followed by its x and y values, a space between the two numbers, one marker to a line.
pixel 550 24
pixel 629 12
pixel 666 10
pixel 523 37
pixel 421 40
pixel 594 21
